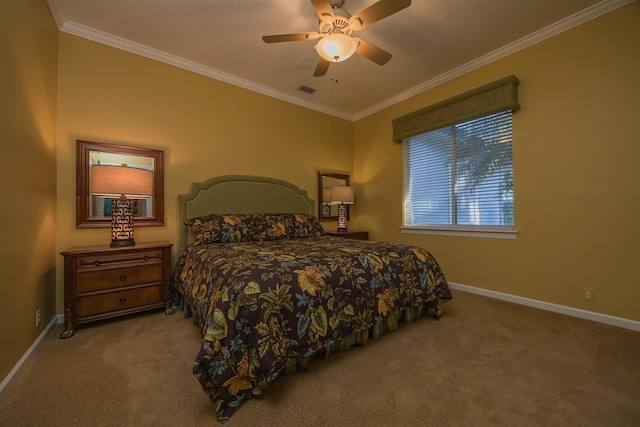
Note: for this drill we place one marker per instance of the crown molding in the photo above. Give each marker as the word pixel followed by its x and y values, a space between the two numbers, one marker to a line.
pixel 57 12
pixel 518 45
pixel 158 55
pixel 79 30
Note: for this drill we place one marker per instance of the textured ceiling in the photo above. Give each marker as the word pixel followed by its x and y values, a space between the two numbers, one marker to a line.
pixel 431 41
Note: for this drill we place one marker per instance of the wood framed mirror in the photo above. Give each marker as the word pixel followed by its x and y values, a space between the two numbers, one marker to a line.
pixel 326 180
pixel 93 207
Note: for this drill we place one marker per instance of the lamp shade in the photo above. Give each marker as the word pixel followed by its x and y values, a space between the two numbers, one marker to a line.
pixel 117 180
pixel 336 47
pixel 326 195
pixel 341 195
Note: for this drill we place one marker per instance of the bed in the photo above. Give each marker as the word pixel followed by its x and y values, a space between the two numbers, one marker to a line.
pixel 271 292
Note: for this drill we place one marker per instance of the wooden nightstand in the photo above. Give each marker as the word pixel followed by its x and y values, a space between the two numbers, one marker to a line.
pixel 356 235
pixel 102 282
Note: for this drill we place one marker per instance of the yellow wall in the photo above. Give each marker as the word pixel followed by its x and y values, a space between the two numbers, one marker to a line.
pixel 576 154
pixel 28 50
pixel 206 128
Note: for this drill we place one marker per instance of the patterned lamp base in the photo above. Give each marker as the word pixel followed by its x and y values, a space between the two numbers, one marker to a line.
pixel 122 223
pixel 342 218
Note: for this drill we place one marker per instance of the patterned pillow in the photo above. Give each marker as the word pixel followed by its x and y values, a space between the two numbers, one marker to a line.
pixel 223 228
pixel 303 225
pixel 271 227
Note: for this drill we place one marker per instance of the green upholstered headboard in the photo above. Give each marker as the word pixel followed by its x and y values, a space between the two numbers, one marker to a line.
pixel 239 194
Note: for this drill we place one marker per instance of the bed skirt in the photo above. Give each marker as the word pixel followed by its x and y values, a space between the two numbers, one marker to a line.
pixel 359 339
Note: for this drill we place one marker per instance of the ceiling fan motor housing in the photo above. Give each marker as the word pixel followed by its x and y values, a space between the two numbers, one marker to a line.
pixel 340 23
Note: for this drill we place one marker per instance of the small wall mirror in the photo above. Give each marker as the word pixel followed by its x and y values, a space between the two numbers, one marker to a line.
pixel 326 180
pixel 93 161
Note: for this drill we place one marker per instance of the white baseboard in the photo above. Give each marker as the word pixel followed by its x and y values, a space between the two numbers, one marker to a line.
pixel 556 308
pixel 55 320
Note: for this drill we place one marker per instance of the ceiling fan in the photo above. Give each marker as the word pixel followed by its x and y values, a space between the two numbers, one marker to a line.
pixel 335 32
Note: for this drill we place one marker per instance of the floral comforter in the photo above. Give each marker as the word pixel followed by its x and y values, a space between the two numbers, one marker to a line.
pixel 263 304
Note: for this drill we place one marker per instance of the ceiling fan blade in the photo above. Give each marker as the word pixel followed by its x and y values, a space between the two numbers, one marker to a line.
pixel 372 52
pixel 277 38
pixel 376 12
pixel 321 68
pixel 323 9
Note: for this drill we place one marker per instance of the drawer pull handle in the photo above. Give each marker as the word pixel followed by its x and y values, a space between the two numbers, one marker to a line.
pixel 123 278
pixel 123 300
pixel 146 258
pixel 96 262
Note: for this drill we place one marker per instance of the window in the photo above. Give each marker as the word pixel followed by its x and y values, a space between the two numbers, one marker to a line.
pixel 460 176
pixel 457 167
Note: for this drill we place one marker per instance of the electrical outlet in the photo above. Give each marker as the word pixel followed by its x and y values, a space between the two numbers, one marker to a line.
pixel 37 318
pixel 588 294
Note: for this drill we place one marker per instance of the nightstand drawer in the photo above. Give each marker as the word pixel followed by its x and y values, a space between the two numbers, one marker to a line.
pixel 117 260
pixel 120 300
pixel 355 235
pixel 99 280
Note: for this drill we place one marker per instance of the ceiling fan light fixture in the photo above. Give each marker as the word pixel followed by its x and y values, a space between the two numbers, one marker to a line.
pixel 336 47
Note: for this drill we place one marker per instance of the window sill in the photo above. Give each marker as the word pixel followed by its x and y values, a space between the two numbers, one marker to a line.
pixel 485 232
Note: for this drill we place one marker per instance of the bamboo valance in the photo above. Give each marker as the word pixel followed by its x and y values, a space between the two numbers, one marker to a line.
pixel 494 97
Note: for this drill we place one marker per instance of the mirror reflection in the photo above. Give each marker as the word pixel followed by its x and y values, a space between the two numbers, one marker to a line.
pixel 106 172
pixel 326 180
pixel 112 175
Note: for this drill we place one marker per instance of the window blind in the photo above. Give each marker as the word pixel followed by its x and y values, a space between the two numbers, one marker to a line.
pixel 460 175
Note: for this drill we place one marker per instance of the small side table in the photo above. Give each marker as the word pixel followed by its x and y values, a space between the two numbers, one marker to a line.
pixel 355 235
pixel 102 282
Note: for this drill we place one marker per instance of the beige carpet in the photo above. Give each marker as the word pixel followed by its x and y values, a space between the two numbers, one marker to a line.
pixel 485 363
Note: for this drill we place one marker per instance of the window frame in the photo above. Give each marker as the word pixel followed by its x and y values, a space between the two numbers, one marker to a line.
pixel 492 98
